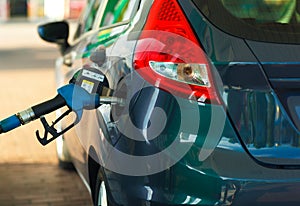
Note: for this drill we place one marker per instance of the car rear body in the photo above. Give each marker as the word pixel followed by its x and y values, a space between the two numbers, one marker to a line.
pixel 231 139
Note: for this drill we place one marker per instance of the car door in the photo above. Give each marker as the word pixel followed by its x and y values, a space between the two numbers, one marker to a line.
pixel 68 63
pixel 113 19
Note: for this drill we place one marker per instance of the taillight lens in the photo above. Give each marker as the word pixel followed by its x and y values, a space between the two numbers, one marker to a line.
pixel 189 73
pixel 168 55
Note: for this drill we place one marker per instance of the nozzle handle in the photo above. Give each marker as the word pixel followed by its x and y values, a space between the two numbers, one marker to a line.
pixel 48 106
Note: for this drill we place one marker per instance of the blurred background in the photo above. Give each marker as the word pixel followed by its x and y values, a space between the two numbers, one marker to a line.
pixel 29 172
pixel 34 10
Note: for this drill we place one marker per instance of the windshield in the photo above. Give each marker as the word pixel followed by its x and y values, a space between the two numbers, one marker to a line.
pixel 262 20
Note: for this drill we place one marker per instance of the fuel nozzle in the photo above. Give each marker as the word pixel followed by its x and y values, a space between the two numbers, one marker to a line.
pixel 93 80
pixel 83 94
pixel 88 89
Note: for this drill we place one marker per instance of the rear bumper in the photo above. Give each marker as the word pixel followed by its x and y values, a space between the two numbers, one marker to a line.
pixel 182 185
pixel 267 194
pixel 223 175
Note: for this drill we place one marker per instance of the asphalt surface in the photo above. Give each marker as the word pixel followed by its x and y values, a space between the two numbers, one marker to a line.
pixel 29 173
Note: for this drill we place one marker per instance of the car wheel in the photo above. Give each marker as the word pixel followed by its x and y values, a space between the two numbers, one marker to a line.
pixel 101 198
pixel 106 196
pixel 102 195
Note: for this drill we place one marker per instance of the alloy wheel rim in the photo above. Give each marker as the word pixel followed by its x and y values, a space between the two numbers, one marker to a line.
pixel 102 197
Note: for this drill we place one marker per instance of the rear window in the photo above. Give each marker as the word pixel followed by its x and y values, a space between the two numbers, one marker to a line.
pixel 261 20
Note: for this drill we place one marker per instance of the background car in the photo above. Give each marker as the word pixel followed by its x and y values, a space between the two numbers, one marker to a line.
pixel 211 91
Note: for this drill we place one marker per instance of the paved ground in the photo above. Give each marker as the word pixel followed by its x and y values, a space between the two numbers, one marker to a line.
pixel 40 184
pixel 29 174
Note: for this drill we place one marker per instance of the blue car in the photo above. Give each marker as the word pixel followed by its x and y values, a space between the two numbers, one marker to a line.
pixel 209 110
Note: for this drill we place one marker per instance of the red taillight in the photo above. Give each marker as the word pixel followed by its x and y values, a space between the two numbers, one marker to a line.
pixel 168 55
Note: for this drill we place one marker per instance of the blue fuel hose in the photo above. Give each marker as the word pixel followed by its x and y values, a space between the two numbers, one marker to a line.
pixel 9 123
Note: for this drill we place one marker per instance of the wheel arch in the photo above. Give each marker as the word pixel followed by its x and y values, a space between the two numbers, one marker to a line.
pixel 93 169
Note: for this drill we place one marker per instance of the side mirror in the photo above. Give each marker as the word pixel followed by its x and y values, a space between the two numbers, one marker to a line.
pixel 55 32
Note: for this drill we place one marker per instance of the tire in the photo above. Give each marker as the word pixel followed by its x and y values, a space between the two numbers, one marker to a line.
pixel 66 165
pixel 101 197
pixel 106 196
